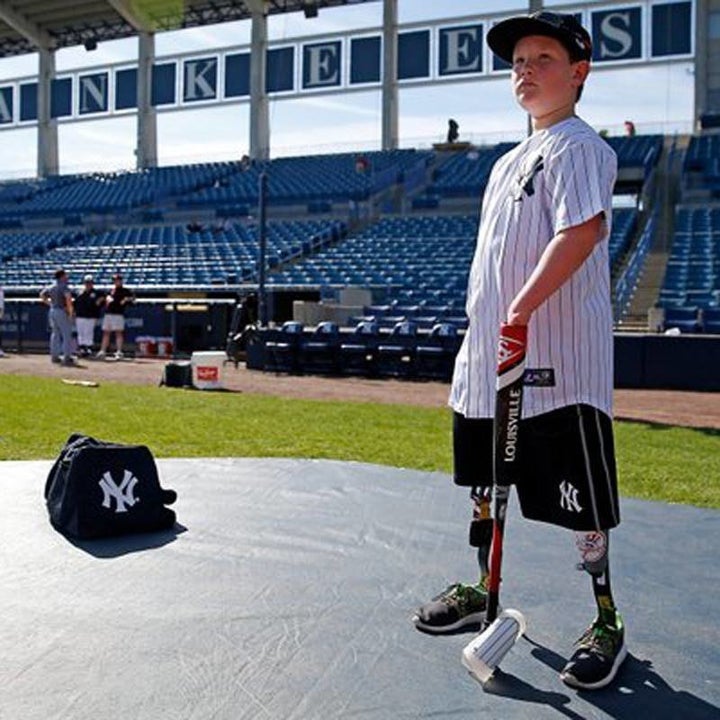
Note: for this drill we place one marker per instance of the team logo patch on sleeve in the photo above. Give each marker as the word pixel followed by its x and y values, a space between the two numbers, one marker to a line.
pixel 539 377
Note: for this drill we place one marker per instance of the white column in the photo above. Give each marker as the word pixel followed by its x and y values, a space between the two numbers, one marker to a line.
pixel 259 112
pixel 146 148
pixel 389 83
pixel 47 132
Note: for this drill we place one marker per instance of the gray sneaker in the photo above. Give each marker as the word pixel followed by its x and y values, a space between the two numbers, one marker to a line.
pixel 457 606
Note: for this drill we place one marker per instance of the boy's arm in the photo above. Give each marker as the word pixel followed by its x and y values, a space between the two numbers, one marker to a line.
pixel 565 253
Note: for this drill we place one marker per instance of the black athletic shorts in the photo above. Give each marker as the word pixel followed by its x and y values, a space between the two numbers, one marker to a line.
pixel 567 473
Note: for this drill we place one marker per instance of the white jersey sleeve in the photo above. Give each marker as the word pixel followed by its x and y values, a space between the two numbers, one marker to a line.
pixel 579 176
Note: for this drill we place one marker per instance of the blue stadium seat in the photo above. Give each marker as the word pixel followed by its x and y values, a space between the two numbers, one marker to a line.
pixel 684 318
pixel 358 350
pixel 281 348
pixel 396 353
pixel 435 354
pixel 318 354
pixel 711 321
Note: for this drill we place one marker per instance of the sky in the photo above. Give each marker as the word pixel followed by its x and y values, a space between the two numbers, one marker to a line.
pixel 656 99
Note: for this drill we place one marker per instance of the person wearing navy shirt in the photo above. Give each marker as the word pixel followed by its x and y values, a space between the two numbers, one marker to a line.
pixel 116 302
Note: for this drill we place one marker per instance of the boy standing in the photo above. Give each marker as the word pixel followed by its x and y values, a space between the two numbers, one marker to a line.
pixel 542 260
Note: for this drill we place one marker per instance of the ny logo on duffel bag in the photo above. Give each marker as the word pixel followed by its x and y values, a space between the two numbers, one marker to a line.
pixel 123 493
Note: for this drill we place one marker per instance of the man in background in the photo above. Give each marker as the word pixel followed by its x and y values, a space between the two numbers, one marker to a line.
pixel 59 299
pixel 87 313
pixel 116 303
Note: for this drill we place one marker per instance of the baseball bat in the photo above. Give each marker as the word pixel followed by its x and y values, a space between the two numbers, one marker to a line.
pixel 508 406
pixel 484 653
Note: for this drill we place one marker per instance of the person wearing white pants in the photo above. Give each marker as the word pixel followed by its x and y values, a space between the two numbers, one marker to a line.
pixel 87 313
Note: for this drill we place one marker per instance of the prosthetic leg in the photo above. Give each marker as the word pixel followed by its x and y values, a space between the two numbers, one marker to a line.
pixel 461 604
pixel 481 529
pixel 601 649
pixel 594 547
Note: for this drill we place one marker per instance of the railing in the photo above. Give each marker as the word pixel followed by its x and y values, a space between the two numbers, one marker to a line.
pixel 627 281
pixel 184 324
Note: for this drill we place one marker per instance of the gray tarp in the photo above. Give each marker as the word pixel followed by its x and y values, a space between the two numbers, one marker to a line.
pixel 289 593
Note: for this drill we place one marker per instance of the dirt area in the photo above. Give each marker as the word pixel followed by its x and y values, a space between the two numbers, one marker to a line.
pixel 690 409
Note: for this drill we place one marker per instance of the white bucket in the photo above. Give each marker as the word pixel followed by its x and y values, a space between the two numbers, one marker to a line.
pixel 207 370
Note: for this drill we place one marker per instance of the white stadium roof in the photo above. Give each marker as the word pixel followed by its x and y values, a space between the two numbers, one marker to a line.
pixel 28 25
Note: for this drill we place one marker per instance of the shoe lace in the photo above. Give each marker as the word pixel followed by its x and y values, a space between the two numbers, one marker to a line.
pixel 462 594
pixel 600 637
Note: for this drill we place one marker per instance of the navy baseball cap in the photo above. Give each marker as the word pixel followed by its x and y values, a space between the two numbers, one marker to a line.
pixel 565 28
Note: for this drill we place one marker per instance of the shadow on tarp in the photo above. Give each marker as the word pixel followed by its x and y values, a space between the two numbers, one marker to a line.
pixel 112 547
pixel 638 692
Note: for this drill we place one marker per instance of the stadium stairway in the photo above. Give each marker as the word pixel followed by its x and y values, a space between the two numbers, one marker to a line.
pixel 646 293
pixel 667 180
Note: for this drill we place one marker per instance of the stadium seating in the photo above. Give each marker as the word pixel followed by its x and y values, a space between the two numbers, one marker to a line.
pixel 466 174
pixel 692 274
pixel 160 256
pixel 311 179
pixel 685 319
pixel 107 192
pixel 357 355
pixel 428 256
pixel 624 227
pixel 435 354
pixel 396 353
pixel 639 151
pixel 318 354
pixel 415 264
pixel 282 348
pixel 711 321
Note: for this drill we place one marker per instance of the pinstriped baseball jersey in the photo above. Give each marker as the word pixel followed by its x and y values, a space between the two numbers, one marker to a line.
pixel 557 178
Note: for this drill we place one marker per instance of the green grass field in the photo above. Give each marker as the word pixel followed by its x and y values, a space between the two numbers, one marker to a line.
pixel 37 414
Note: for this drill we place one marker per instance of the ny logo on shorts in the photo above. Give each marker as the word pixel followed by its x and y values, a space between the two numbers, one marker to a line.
pixel 569 497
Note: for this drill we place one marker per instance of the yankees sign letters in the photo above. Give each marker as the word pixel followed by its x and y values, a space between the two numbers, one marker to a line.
pixel 100 489
pixel 432 52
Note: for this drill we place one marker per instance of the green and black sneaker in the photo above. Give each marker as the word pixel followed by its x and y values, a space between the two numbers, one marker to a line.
pixel 456 606
pixel 597 657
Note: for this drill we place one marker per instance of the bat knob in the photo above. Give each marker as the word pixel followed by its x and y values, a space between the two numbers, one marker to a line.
pixel 483 654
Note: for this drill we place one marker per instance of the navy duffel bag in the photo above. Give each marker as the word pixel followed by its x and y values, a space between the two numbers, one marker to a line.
pixel 101 489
